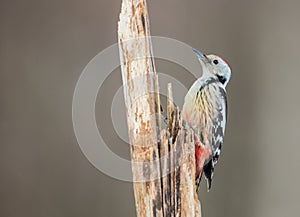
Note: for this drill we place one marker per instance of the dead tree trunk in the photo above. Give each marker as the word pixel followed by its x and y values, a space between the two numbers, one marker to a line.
pixel 163 161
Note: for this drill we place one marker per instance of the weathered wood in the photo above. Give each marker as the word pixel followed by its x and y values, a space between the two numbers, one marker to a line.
pixel 138 75
pixel 166 178
pixel 170 113
pixel 184 198
pixel 166 187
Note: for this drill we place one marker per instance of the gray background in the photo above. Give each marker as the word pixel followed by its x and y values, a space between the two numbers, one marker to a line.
pixel 46 44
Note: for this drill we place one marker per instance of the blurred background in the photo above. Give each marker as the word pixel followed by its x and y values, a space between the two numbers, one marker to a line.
pixel 45 45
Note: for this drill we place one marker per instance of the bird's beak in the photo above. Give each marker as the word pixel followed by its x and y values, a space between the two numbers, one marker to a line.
pixel 199 54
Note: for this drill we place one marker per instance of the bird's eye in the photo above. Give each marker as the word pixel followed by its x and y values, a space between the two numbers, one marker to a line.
pixel 215 62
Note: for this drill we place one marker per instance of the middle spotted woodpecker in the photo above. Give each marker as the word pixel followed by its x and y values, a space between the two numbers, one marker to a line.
pixel 205 110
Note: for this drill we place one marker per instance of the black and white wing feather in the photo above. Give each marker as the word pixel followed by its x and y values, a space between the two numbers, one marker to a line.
pixel 217 133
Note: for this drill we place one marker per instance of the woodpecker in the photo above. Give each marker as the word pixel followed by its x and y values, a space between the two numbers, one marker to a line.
pixel 205 110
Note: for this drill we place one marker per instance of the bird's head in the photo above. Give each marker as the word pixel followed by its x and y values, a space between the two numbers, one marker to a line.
pixel 214 65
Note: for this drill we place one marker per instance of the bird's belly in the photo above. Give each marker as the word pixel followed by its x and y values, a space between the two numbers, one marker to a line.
pixel 202 153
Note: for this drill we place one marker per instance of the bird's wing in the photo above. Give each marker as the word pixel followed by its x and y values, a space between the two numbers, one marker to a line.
pixel 217 132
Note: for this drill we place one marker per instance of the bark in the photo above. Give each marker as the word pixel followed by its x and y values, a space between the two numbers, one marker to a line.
pixel 166 187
